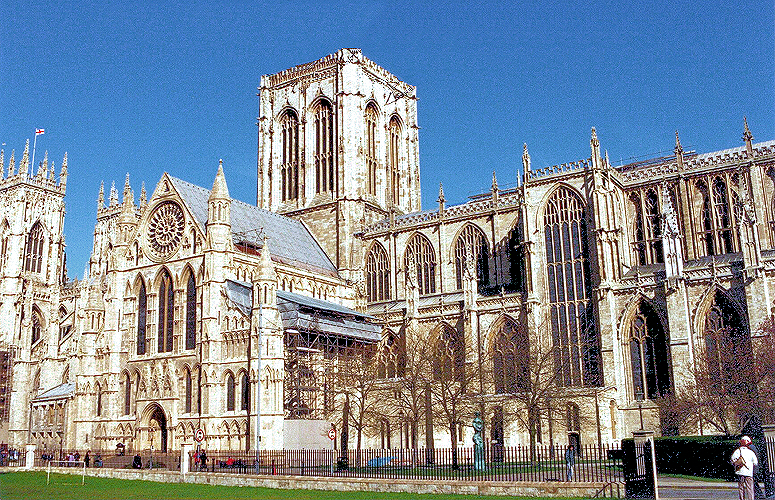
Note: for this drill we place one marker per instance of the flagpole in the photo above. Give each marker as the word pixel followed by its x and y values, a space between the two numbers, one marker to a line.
pixel 34 143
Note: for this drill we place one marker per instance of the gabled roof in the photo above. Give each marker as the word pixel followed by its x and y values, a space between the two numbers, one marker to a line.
pixel 289 239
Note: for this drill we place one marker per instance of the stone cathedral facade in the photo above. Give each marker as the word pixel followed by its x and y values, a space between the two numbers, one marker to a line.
pixel 619 275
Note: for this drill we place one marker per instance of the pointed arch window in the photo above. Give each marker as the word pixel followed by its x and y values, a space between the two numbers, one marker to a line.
pixel 325 180
pixel 394 155
pixel 377 274
pixel 648 228
pixel 289 170
pixel 142 316
pixel 510 358
pixel 371 149
pixel 127 394
pixel 188 390
pixel 420 264
pixel 98 409
pixel 722 215
pixel 230 392
pixel 574 334
pixel 472 242
pixel 717 225
pixel 166 313
pixel 727 347
pixel 391 361
pixel 517 264
pixel 37 326
pixel 449 358
pixel 649 355
pixel 191 313
pixel 33 250
pixel 245 399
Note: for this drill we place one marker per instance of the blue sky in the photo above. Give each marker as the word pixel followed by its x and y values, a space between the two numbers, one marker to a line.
pixel 127 88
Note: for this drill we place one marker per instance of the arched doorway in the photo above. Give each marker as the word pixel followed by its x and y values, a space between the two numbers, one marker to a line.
pixel 157 427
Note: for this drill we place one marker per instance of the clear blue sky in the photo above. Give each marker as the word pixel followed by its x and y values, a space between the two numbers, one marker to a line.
pixel 127 88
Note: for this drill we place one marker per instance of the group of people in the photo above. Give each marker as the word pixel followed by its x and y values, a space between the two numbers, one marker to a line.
pixel 200 460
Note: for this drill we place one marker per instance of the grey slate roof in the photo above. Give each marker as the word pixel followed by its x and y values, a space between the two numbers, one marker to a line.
pixel 62 391
pixel 299 312
pixel 290 242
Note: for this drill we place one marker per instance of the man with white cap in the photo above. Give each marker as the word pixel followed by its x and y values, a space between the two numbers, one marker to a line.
pixel 744 461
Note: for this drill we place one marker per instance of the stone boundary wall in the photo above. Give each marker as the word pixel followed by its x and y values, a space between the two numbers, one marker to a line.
pixel 416 486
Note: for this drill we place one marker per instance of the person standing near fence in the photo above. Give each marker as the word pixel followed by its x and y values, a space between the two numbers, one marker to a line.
pixel 744 461
pixel 570 462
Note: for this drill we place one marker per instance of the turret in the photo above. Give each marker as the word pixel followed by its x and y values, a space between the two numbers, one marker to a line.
pixel 127 221
pixel 525 161
pixel 219 212
pixel 113 195
pixel 24 166
pixel 748 138
pixel 441 199
pixel 679 152
pixel 143 196
pixel 101 197
pixel 43 167
pixel 12 164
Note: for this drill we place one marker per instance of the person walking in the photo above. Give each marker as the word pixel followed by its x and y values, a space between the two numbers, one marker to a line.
pixel 87 459
pixel 744 461
pixel 570 461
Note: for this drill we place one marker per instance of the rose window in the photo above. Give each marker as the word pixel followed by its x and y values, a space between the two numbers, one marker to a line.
pixel 166 228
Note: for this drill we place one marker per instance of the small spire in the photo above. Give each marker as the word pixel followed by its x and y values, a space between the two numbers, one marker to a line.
pixel 747 135
pixel 678 148
pixel 143 196
pixel 101 198
pixel 63 172
pixel 12 164
pixel 494 182
pixel 25 164
pixel 220 189
pixel 525 159
pixel 113 194
pixel 441 198
pixel 43 166
pixel 127 187
pixel 608 163
pixel 595 143
pixel 2 163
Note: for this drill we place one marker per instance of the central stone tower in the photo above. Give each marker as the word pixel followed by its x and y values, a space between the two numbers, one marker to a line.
pixel 338 149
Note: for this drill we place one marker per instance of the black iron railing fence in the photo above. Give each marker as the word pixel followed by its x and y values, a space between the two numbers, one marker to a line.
pixel 518 463
pixel 112 459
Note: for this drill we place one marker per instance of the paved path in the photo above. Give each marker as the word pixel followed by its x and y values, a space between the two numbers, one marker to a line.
pixel 689 489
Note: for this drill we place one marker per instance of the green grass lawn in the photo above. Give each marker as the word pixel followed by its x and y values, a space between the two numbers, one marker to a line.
pixel 27 485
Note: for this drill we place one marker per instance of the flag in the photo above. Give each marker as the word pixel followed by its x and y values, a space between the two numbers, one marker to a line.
pixel 39 131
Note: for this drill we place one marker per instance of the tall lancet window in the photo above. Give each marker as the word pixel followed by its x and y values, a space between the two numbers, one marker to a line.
pixel 722 216
pixel 649 355
pixel 371 149
pixel 574 333
pixel 289 170
pixel 377 274
pixel 142 317
pixel 33 251
pixel 420 264
pixel 166 313
pixel 191 313
pixel 325 179
pixel 727 347
pixel 37 326
pixel 394 156
pixel 472 242
pixel 653 227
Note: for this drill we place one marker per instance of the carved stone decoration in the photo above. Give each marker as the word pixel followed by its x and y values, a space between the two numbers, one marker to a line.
pixel 165 229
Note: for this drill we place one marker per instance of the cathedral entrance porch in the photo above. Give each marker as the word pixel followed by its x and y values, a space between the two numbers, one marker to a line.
pixel 152 433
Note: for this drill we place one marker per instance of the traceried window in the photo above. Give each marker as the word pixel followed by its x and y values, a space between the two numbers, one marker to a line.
pixel 377 274
pixel 98 390
pixel 289 170
pixel 142 316
pixel 472 243
pixel 648 228
pixel 510 358
pixel 574 335
pixel 717 226
pixel 649 355
pixel 33 250
pixel 191 313
pixel 394 155
pixel 420 264
pixel 230 392
pixel 166 313
pixel 325 179
pixel 449 357
pixel 37 326
pixel 728 346
pixel 371 149
pixel 391 362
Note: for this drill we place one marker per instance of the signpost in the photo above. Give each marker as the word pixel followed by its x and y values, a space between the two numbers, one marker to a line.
pixel 332 437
